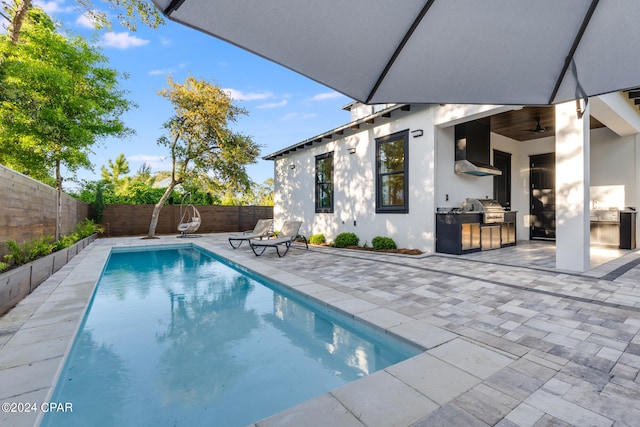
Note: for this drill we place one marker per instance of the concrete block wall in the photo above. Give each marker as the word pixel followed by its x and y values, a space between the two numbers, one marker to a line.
pixel 28 209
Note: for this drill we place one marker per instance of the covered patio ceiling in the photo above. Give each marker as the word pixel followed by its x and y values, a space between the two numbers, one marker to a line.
pixel 522 125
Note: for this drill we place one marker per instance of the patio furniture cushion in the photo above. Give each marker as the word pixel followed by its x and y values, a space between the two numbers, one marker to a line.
pixel 260 231
pixel 286 237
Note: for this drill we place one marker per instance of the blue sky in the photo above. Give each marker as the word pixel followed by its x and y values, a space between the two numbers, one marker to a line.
pixel 284 107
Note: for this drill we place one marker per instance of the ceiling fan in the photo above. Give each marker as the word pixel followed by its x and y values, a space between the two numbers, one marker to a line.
pixel 539 129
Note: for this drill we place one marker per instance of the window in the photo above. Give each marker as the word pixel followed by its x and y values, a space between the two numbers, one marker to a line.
pixel 392 173
pixel 324 183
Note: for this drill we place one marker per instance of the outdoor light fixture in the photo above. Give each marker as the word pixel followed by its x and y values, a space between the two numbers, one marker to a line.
pixel 352 150
pixel 416 133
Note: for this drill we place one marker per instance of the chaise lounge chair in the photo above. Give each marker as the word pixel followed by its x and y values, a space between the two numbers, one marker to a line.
pixel 287 235
pixel 260 231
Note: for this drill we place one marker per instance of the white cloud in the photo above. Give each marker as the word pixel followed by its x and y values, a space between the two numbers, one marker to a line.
pixel 53 7
pixel 279 104
pixel 167 71
pixel 324 96
pixel 238 95
pixel 298 116
pixel 122 40
pixel 85 21
pixel 156 162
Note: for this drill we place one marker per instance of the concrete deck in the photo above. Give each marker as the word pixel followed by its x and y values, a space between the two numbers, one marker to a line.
pixel 509 340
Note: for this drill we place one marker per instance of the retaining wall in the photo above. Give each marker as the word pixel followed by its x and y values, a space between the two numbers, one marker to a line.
pixel 28 209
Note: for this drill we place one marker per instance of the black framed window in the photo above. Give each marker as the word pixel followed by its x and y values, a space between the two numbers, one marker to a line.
pixel 324 183
pixel 392 173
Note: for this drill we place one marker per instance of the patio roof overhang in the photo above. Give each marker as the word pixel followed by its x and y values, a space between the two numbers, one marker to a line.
pixel 341 131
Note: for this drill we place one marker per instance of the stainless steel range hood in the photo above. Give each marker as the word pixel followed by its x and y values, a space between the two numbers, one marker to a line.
pixel 473 149
pixel 477 169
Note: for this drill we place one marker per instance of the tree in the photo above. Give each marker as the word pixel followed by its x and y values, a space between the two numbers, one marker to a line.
pixel 264 193
pixel 118 168
pixel 97 207
pixel 128 12
pixel 144 174
pixel 200 140
pixel 57 100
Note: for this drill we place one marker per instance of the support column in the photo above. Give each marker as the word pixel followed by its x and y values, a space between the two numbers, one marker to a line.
pixel 572 188
pixel 636 201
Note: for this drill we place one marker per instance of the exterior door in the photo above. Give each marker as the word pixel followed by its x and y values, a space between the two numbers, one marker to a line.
pixel 542 177
pixel 502 183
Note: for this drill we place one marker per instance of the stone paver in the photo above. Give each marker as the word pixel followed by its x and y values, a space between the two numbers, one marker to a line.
pixel 508 339
pixel 439 381
pixel 382 400
pixel 472 358
pixel 299 414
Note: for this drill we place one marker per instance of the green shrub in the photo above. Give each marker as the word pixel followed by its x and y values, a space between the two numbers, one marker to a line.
pixel 29 251
pixel 380 242
pixel 17 254
pixel 83 229
pixel 346 239
pixel 20 255
pixel 65 242
pixel 41 247
pixel 86 228
pixel 97 207
pixel 317 239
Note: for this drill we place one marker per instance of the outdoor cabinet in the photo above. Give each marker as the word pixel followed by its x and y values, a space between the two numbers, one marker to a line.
pixel 491 235
pixel 461 233
pixel 605 227
pixel 509 229
pixel 628 229
pixel 458 233
pixel 470 236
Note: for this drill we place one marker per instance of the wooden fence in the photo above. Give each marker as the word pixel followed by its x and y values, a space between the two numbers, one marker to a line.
pixel 28 209
pixel 134 220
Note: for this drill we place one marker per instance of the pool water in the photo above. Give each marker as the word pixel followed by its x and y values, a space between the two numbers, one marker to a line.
pixel 177 337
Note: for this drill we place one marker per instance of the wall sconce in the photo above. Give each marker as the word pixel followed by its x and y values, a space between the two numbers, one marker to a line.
pixel 416 133
pixel 292 167
pixel 352 150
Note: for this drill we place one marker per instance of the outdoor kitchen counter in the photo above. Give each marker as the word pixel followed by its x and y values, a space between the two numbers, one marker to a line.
pixel 464 232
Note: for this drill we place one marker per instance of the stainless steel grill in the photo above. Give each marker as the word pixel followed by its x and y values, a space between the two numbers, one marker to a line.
pixel 492 211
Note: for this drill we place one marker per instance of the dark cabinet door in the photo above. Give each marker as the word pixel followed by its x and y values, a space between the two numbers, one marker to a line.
pixel 542 177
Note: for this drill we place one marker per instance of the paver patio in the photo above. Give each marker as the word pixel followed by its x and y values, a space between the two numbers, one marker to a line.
pixel 505 344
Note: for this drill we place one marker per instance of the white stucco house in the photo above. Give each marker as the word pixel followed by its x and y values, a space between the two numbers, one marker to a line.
pixel 567 173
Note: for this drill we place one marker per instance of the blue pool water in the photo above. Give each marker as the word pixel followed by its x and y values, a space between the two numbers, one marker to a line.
pixel 177 337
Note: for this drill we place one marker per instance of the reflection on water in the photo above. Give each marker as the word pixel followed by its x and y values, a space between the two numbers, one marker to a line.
pixel 175 337
pixel 335 347
pixel 208 326
pixel 98 372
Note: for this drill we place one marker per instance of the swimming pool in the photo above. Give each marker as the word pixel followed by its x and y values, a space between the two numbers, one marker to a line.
pixel 176 336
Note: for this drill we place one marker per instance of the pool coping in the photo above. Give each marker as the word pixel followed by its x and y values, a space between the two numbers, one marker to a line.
pixel 32 358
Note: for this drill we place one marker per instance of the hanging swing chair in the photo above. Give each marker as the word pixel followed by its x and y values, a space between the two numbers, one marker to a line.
pixel 189 218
